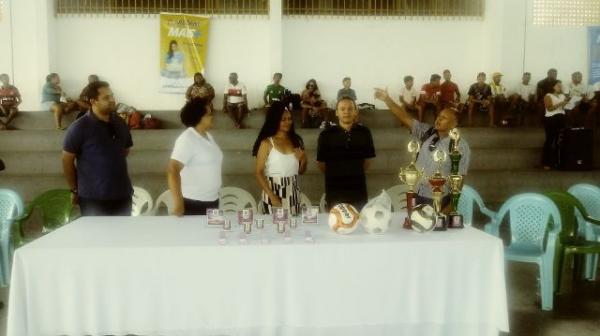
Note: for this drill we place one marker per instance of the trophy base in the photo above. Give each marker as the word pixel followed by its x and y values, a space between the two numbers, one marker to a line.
pixel 441 222
pixel 407 224
pixel 456 221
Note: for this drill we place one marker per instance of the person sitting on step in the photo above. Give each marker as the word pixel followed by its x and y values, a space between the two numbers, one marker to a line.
pixel 235 100
pixel 10 98
pixel 55 100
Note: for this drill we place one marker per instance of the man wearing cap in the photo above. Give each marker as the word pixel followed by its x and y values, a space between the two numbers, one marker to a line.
pixel 499 98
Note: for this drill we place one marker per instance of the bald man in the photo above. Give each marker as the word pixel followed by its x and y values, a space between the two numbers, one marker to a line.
pixel 431 138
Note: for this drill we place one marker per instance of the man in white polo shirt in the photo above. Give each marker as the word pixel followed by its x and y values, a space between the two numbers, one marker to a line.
pixel 523 98
pixel 235 100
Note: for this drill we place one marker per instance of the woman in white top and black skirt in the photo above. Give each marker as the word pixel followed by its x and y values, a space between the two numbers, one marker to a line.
pixel 194 171
pixel 554 123
pixel 280 158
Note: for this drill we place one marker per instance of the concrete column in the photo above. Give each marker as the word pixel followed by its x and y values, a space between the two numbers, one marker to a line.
pixel 276 35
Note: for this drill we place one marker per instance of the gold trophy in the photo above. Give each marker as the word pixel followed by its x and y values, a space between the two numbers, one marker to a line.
pixel 437 182
pixel 410 176
pixel 455 180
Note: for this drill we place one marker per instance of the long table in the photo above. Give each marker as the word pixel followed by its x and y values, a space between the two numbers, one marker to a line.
pixel 172 276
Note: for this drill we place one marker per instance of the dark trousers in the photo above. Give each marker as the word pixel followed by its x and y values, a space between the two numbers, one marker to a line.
pixel 552 126
pixel 92 207
pixel 193 207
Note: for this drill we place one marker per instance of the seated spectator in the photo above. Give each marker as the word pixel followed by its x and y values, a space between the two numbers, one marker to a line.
pixel 346 91
pixel 84 102
pixel 275 91
pixel 499 97
pixel 409 97
pixel 523 99
pixel 10 98
pixel 55 100
pixel 430 95
pixel 576 116
pixel 235 100
pixel 313 105
pixel 480 96
pixel 449 93
pixel 200 89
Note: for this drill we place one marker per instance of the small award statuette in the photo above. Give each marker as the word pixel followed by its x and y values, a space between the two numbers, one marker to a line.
pixel 437 182
pixel 310 215
pixel 215 217
pixel 245 218
pixel 456 180
pixel 280 219
pixel 259 223
pixel 410 175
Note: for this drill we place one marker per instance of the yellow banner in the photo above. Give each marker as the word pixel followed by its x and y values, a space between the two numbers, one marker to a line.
pixel 183 42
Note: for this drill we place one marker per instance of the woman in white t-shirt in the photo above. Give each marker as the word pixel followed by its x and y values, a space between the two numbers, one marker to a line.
pixel 194 171
pixel 280 158
pixel 554 122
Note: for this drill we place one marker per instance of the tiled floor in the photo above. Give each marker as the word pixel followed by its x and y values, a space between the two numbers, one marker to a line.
pixel 576 312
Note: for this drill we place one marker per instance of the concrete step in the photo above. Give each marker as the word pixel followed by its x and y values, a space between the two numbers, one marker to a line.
pixel 494 186
pixel 384 138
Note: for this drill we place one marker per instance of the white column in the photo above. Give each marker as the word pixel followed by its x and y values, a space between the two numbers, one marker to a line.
pixel 276 35
pixel 32 34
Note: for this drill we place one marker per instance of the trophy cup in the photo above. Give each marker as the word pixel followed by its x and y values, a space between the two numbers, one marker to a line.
pixel 410 176
pixel 455 180
pixel 437 182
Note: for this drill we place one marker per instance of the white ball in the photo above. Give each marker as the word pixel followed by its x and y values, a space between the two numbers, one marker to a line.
pixel 376 219
pixel 343 218
pixel 423 218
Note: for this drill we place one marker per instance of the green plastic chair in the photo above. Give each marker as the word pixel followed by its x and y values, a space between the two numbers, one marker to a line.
pixel 571 241
pixel 55 206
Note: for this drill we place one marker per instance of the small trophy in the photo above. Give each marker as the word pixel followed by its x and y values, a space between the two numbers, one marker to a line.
pixel 437 182
pixel 411 176
pixel 455 179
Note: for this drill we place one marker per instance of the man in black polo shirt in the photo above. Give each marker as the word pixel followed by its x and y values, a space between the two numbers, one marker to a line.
pixel 99 142
pixel 546 86
pixel 343 154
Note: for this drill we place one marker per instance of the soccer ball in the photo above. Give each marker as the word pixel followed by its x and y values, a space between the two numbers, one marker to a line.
pixel 375 218
pixel 343 218
pixel 423 218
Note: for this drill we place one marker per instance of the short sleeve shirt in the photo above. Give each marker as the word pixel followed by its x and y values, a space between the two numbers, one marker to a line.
pixel 50 93
pixel 346 93
pixel 480 92
pixel 202 160
pixel 9 95
pixel 497 89
pixel 449 92
pixel 100 151
pixel 431 91
pixel 201 91
pixel 410 96
pixel 235 93
pixel 425 158
pixel 274 92
pixel 344 153
pixel 525 91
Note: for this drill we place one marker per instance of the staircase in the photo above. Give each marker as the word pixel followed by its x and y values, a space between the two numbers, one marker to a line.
pixel 503 162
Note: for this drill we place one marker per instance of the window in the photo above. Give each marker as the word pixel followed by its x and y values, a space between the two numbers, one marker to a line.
pixel 426 8
pixel 566 13
pixel 202 7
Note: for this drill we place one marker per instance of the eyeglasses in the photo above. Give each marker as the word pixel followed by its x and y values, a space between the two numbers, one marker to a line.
pixel 433 144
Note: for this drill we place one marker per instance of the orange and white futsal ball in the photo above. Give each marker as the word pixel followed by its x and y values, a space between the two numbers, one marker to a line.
pixel 343 218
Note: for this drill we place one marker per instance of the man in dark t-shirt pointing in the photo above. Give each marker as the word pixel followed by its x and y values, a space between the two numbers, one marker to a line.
pixel 99 143
pixel 343 154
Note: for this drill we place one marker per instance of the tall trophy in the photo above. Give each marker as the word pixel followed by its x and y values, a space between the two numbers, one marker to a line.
pixel 437 182
pixel 410 175
pixel 455 180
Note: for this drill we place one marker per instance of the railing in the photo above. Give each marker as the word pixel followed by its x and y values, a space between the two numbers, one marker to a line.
pixel 201 7
pixel 377 8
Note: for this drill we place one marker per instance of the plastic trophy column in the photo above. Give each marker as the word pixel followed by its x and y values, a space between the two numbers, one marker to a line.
pixel 411 176
pixel 437 182
pixel 456 180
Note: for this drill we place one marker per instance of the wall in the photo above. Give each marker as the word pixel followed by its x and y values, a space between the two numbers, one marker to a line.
pixel 374 52
pixel 124 51
pixel 5 42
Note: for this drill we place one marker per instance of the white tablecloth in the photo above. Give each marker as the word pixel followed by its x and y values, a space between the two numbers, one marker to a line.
pixel 170 276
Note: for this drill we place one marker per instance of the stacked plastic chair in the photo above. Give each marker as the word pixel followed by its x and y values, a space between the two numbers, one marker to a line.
pixel 11 210
pixel 232 199
pixel 589 196
pixel 466 205
pixel 535 224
